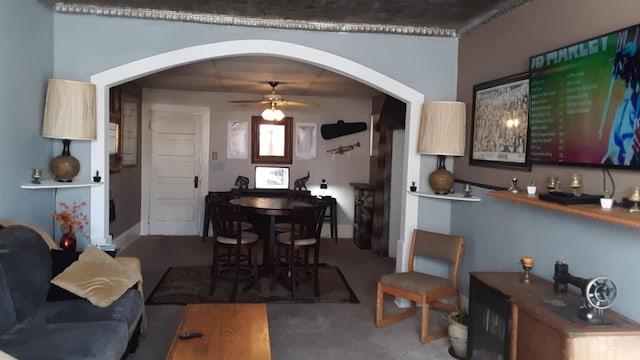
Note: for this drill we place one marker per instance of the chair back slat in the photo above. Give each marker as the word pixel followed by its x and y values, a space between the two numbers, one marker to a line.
pixel 306 222
pixel 226 218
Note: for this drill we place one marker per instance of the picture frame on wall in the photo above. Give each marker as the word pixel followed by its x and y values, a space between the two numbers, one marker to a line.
pixel 237 137
pixel 306 141
pixel 500 123
pixel 131 111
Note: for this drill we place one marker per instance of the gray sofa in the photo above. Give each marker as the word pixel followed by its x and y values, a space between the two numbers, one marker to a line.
pixel 32 328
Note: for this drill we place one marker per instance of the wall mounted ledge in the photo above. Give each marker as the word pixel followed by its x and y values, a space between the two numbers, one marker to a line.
pixel 617 214
pixel 450 196
pixel 52 184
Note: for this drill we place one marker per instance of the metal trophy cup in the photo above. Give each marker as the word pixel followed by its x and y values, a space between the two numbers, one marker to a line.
pixel 527 265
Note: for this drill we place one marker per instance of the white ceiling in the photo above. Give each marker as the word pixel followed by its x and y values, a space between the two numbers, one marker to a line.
pixel 251 74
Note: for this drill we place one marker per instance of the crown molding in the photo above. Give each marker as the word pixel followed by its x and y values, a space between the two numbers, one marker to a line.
pixel 214 19
pixel 501 9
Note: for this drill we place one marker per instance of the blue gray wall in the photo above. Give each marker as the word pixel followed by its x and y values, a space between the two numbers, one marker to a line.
pixel 85 45
pixel 26 63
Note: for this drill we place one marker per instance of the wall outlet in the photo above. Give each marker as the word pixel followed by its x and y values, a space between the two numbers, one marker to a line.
pixel 214 155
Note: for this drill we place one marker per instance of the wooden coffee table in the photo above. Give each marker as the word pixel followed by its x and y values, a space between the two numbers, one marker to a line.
pixel 230 331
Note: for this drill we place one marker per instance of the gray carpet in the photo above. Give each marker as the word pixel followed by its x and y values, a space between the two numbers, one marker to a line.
pixel 297 331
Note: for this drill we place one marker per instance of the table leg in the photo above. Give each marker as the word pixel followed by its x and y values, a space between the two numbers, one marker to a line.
pixel 267 250
pixel 334 222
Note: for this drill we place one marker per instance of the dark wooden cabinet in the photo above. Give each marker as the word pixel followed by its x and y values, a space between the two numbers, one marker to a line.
pixel 363 214
pixel 512 320
pixel 490 315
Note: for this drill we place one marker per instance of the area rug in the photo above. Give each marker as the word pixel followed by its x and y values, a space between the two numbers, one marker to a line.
pixel 190 285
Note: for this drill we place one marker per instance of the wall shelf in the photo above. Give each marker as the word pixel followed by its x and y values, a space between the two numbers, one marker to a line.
pixel 616 215
pixel 450 196
pixel 52 184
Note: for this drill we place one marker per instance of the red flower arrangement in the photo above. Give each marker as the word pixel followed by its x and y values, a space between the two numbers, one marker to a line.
pixel 70 218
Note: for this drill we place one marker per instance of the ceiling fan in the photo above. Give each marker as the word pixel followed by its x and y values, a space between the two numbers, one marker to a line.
pixel 272 99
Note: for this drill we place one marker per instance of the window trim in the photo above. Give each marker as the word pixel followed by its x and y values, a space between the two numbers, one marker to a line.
pixel 256 158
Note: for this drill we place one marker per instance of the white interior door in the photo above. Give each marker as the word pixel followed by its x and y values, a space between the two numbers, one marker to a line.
pixel 175 182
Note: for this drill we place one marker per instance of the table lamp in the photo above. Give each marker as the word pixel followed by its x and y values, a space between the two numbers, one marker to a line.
pixel 442 133
pixel 69 114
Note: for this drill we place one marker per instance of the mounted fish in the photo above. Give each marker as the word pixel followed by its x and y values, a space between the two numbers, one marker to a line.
pixel 341 128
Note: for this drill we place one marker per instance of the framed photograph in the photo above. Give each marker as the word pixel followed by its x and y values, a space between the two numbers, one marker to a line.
pixel 130 120
pixel 237 135
pixel 114 101
pixel 306 140
pixel 500 123
pixel 272 177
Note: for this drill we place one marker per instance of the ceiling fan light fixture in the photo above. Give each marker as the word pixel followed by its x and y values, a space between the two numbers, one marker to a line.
pixel 272 113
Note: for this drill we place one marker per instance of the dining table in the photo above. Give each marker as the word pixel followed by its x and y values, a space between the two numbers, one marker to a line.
pixel 271 207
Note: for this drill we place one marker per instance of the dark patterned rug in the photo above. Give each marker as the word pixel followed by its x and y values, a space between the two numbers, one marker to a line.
pixel 190 285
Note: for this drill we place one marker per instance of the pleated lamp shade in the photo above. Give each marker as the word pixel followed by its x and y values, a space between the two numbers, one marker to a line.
pixel 70 110
pixel 442 129
pixel 442 133
pixel 69 114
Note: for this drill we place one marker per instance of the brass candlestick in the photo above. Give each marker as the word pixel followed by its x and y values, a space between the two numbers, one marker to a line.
pixel 35 175
pixel 635 199
pixel 527 265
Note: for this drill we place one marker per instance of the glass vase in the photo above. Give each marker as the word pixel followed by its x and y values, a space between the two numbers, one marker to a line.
pixel 68 240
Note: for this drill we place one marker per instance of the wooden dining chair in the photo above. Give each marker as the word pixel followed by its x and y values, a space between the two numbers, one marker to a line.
pixel 306 223
pixel 217 196
pixel 424 288
pixel 294 195
pixel 228 234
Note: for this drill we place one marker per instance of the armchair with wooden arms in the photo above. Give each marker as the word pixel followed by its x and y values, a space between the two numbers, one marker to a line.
pixel 423 288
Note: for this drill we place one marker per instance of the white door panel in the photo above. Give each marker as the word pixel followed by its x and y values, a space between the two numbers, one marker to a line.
pixel 175 191
pixel 173 213
pixel 175 147
pixel 176 144
pixel 175 169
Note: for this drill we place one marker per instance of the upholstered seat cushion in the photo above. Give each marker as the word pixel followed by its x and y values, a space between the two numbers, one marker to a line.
pixel 127 308
pixel 66 341
pixel 245 225
pixel 282 227
pixel 246 238
pixel 285 238
pixel 415 282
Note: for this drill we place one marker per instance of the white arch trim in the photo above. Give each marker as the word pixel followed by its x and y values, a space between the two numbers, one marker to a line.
pixel 152 64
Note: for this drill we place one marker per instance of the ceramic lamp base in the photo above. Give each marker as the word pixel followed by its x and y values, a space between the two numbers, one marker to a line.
pixel 441 180
pixel 64 167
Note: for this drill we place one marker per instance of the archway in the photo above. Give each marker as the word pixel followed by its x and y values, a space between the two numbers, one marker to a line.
pixel 142 67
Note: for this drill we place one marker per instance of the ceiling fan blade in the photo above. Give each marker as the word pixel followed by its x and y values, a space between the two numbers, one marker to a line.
pixel 296 103
pixel 248 101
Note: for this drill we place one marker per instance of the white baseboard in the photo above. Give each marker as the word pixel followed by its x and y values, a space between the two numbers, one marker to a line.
pixel 126 238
